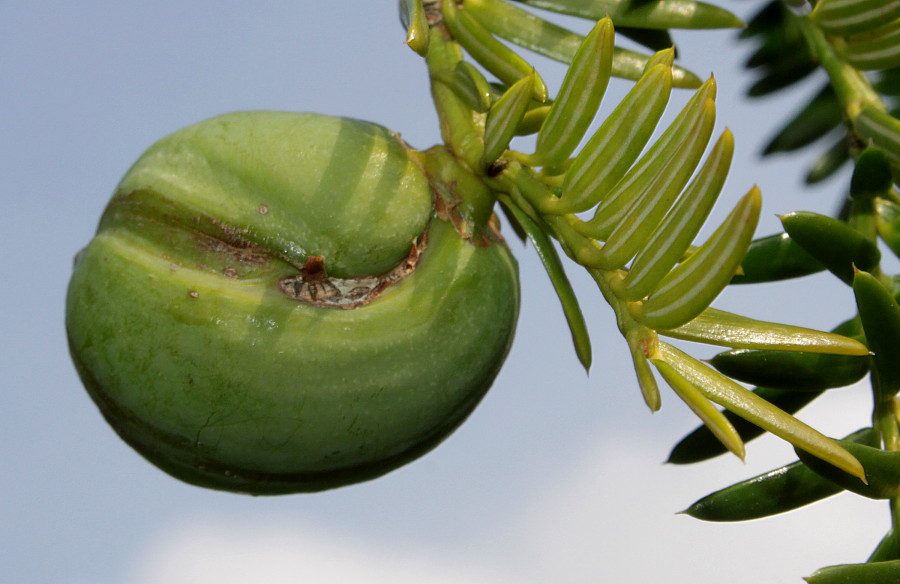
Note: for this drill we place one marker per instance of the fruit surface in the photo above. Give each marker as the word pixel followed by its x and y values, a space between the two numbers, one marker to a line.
pixel 272 304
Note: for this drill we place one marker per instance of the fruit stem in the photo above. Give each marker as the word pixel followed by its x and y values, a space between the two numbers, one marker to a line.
pixel 460 195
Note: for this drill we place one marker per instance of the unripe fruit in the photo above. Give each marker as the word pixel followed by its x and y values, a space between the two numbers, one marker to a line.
pixel 272 304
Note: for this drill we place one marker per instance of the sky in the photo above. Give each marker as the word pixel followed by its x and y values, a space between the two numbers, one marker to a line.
pixel 557 476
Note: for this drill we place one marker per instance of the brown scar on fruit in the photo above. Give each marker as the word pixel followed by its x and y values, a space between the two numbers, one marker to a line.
pixel 313 285
pixel 208 232
pixel 237 248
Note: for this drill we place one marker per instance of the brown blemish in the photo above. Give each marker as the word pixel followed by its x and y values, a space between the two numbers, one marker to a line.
pixel 313 285
pixel 263 210
pixel 240 250
pixel 230 272
pixel 230 231
pixel 193 294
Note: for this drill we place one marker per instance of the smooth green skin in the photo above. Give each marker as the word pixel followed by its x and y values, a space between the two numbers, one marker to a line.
pixel 336 187
pixel 197 359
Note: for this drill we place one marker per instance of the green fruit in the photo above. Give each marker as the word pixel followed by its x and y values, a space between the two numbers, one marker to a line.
pixel 274 303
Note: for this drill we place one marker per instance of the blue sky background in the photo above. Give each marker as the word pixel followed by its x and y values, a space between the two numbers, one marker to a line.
pixel 556 477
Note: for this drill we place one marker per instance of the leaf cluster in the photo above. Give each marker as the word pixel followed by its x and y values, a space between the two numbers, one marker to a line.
pixel 626 203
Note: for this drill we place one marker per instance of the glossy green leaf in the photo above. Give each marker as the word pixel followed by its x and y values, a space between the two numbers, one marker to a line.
pixel 480 85
pixel 493 55
pixel 651 14
pixel 656 194
pixel 778 491
pixel 664 56
pixel 749 406
pixel 701 445
pixel 704 409
pixel 638 340
pixel 631 65
pixel 653 39
pixel 674 235
pixel 775 257
pixel 460 130
pixel 579 97
pixel 832 242
pixel 533 121
pixel 463 87
pixel 550 259
pixel 790 370
pixel 882 470
pixel 416 24
pixel 514 224
pixel 874 573
pixel 717 327
pixel 880 316
pixel 690 288
pixel 504 117
pixel 617 144
pixel 555 42
pixel 616 202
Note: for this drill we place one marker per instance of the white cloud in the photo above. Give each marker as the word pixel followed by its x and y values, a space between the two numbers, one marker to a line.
pixel 613 517
pixel 610 517
pixel 614 520
pixel 220 551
